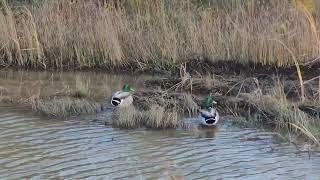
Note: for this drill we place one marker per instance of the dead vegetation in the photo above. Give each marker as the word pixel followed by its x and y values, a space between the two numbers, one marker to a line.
pixel 157 35
pixel 156 110
pixel 63 106
pixel 272 101
pixel 275 109
pixel 58 105
pixel 156 117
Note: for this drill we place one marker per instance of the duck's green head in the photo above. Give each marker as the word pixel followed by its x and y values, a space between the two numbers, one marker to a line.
pixel 126 88
pixel 207 102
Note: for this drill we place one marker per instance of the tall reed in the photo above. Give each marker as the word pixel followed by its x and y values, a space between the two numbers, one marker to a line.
pixel 155 34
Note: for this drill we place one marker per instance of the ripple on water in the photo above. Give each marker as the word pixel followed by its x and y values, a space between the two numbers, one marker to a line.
pixel 31 147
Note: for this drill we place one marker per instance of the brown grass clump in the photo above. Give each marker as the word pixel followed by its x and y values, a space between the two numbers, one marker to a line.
pixel 193 84
pixel 156 110
pixel 275 108
pixel 127 117
pixel 159 117
pixel 157 34
pixel 4 98
pixel 179 101
pixel 63 106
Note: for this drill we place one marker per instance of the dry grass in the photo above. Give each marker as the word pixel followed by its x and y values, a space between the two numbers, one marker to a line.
pixel 63 106
pixel 157 117
pixel 275 108
pixel 263 103
pixel 126 117
pixel 156 34
pixel 156 110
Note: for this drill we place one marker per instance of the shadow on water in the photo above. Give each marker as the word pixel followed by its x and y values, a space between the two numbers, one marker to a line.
pixel 34 147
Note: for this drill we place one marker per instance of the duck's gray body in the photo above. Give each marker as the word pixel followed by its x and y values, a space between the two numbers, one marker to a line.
pixel 208 117
pixel 121 99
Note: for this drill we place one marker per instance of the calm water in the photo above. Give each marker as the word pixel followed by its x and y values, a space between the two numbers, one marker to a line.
pixel 37 148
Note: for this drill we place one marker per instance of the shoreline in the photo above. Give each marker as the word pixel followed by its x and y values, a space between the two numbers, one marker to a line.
pixel 264 97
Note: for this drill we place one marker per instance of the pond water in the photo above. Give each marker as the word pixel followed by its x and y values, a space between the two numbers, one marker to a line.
pixel 78 148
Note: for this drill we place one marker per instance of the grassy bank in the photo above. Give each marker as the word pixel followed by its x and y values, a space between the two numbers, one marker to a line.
pixel 158 35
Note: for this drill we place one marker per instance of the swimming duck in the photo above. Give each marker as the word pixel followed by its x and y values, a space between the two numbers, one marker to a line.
pixel 208 116
pixel 122 98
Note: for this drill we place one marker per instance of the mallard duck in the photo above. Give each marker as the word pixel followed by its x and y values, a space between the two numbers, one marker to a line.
pixel 122 98
pixel 208 116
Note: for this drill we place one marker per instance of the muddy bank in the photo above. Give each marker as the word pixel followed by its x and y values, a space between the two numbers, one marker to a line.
pixel 222 67
pixel 197 65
